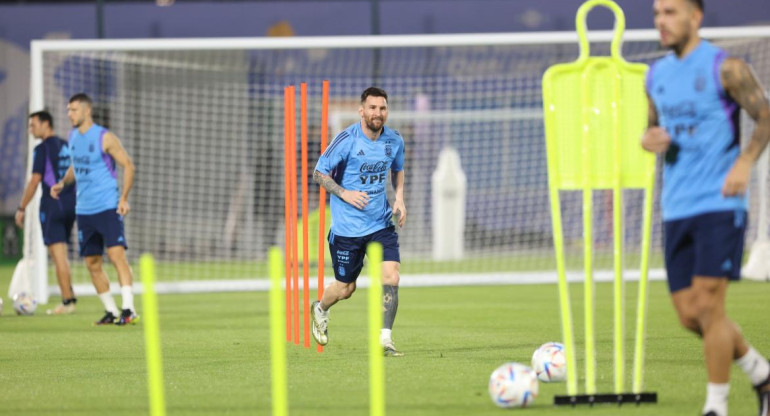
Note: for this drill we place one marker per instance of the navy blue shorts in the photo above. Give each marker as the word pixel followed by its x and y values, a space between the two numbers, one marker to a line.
pixel 104 229
pixel 348 252
pixel 708 245
pixel 57 225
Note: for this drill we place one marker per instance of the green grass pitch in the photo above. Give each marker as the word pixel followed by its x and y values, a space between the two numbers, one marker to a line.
pixel 216 355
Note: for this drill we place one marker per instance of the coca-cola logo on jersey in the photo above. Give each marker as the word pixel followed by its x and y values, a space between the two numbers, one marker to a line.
pixel 375 167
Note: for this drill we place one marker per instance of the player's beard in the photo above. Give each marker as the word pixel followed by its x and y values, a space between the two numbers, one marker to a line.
pixel 370 124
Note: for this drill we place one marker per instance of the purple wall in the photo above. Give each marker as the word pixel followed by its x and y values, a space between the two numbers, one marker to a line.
pixel 235 19
pixel 21 23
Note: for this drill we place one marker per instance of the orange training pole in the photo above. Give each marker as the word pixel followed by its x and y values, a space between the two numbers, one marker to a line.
pixel 293 161
pixel 322 193
pixel 287 209
pixel 305 203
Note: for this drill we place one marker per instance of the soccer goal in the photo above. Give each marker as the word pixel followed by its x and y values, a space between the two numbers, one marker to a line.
pixel 203 121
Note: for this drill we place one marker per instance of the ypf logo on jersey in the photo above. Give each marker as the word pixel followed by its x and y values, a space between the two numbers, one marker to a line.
pixel 372 173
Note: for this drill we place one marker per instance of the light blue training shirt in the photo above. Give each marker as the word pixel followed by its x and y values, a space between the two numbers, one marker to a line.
pixel 703 122
pixel 95 174
pixel 357 163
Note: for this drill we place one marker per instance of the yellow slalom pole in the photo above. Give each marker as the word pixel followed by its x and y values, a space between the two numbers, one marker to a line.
pixel 277 335
pixel 641 308
pixel 376 358
pixel 617 228
pixel 152 337
pixel 588 284
pixel 565 307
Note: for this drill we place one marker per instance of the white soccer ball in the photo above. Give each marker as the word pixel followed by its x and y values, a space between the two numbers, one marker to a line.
pixel 1 305
pixel 513 385
pixel 549 362
pixel 24 304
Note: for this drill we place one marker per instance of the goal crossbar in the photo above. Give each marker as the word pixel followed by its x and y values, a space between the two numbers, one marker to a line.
pixel 373 41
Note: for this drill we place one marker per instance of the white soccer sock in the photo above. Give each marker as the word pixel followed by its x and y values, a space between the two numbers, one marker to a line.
pixel 128 297
pixel 754 365
pixel 716 398
pixel 323 313
pixel 385 334
pixel 109 303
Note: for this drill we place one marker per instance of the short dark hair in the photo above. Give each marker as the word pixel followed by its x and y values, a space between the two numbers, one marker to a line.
pixel 81 97
pixel 697 3
pixel 43 116
pixel 373 92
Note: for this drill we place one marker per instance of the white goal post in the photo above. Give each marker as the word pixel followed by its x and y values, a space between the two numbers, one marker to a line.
pixel 202 119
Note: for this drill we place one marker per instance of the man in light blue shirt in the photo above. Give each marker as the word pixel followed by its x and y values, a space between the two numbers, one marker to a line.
pixel 101 205
pixel 696 93
pixel 354 170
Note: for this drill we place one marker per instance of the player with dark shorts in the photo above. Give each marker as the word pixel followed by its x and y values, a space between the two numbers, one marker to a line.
pixel 50 161
pixel 101 206
pixel 348 252
pixel 354 170
pixel 696 93
pixel 96 231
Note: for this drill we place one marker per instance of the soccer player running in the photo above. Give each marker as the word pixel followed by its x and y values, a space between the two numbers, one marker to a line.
pixel 100 205
pixel 354 169
pixel 51 159
pixel 696 93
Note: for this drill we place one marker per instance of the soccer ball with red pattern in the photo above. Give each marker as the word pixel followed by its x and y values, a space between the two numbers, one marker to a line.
pixel 549 362
pixel 513 385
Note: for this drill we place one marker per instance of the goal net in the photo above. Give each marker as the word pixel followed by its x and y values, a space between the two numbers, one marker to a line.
pixel 203 121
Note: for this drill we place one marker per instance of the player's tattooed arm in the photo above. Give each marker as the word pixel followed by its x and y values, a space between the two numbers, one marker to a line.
pixel 739 80
pixel 358 199
pixel 328 183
